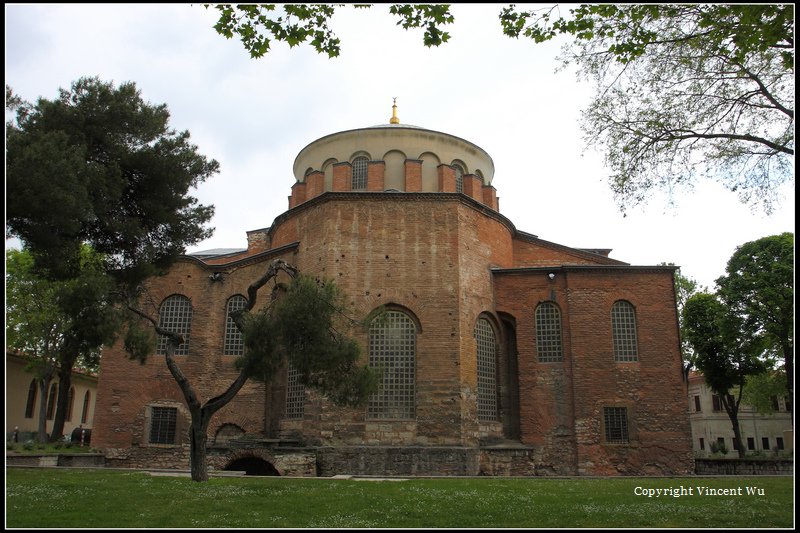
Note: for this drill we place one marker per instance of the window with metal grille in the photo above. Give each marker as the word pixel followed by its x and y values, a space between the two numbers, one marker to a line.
pixel 392 350
pixel 616 424
pixel 486 344
pixel 359 182
pixel 234 345
pixel 163 421
pixel 623 331
pixel 548 333
pixel 295 394
pixel 459 177
pixel 175 315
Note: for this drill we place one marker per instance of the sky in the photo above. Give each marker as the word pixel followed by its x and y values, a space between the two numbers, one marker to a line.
pixel 254 116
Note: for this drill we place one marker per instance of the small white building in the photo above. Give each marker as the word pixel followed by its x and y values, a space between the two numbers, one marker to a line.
pixel 23 400
pixel 770 434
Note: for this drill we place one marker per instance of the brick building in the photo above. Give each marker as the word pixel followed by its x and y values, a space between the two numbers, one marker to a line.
pixel 503 353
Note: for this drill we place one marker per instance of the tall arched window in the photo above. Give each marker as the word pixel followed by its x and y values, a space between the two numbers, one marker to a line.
pixel 359 182
pixel 31 399
pixel 623 331
pixel 459 177
pixel 548 333
pixel 392 349
pixel 70 402
pixel 486 347
pixel 51 401
pixel 234 345
pixel 85 412
pixel 175 315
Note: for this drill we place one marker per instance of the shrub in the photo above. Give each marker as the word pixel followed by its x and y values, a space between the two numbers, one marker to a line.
pixel 719 447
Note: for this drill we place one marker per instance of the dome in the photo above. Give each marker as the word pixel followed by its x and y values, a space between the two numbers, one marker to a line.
pixel 394 144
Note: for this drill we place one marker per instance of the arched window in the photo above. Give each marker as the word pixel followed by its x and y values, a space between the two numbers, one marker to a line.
pixel 486 347
pixel 51 401
pixel 359 182
pixel 175 315
pixel 85 412
pixel 234 345
pixel 31 399
pixel 392 349
pixel 459 177
pixel 623 331
pixel 548 333
pixel 70 402
pixel 295 394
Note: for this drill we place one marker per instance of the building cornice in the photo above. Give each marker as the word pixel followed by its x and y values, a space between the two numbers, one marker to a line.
pixel 622 267
pixel 395 196
pixel 241 262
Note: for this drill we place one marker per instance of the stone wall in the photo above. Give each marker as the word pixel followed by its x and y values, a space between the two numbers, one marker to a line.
pixel 743 467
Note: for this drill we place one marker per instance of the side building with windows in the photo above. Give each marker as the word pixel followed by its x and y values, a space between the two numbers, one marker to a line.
pixel 502 353
pixel 24 399
pixel 763 434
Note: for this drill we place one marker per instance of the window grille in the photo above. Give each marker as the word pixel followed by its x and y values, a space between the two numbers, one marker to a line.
pixel 163 421
pixel 616 424
pixel 234 344
pixel 485 341
pixel 392 349
pixel 623 332
pixel 175 315
pixel 295 394
pixel 459 177
pixel 548 333
pixel 359 182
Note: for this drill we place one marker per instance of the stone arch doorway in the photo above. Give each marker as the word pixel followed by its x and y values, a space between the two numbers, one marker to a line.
pixel 253 466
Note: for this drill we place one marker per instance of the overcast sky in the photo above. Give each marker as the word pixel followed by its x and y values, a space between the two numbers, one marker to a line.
pixel 254 116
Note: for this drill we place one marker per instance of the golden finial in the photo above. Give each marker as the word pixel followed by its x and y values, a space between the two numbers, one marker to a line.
pixel 394 119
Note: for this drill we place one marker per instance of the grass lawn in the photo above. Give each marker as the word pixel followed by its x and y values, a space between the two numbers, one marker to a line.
pixel 72 498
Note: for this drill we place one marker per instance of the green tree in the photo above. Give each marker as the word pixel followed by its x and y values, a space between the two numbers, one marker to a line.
pixel 760 390
pixel 682 91
pixel 57 324
pixel 724 356
pixel 99 165
pixel 685 288
pixel 257 26
pixel 758 288
pixel 303 324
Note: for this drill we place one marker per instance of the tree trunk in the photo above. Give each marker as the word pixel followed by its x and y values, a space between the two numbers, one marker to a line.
pixel 64 384
pixel 198 437
pixel 732 408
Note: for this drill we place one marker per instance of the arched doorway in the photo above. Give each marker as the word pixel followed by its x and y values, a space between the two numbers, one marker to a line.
pixel 253 466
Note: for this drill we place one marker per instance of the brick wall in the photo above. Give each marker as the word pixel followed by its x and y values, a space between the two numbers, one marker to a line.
pixel 445 261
